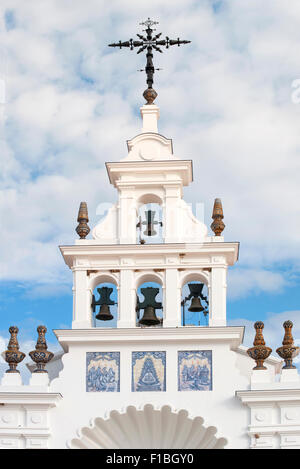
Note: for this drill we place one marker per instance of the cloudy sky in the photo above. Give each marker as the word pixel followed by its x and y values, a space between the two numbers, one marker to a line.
pixel 230 101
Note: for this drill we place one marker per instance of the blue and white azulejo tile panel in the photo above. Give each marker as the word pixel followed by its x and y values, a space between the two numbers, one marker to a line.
pixel 103 371
pixel 148 371
pixel 195 370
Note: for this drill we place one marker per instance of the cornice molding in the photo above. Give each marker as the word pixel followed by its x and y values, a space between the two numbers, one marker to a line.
pixel 183 167
pixel 210 335
pixel 14 397
pixel 269 395
pixel 91 248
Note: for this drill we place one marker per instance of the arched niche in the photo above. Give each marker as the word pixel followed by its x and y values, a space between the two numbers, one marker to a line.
pixel 143 277
pixel 148 427
pixel 97 278
pixel 149 198
pixel 110 284
pixel 146 204
pixel 194 295
pixel 150 281
pixel 194 276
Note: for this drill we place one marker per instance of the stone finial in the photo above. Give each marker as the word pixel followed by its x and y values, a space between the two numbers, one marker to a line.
pixel 288 351
pixel 217 225
pixel 12 355
pixel 83 229
pixel 150 95
pixel 41 356
pixel 259 352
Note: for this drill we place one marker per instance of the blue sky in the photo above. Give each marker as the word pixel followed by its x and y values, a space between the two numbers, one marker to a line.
pixel 71 103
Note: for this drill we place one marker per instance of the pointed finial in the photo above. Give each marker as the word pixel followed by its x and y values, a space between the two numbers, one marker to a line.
pixel 217 225
pixel 41 356
pixel 83 228
pixel 288 351
pixel 12 355
pixel 259 352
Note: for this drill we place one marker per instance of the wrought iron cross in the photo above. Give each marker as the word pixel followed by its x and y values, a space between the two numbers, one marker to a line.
pixel 150 43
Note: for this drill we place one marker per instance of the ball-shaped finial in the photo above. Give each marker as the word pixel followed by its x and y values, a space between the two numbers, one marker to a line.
pixel 13 330
pixel 259 325
pixel 150 95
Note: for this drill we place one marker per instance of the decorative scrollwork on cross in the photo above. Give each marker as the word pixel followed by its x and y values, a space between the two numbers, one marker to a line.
pixel 150 42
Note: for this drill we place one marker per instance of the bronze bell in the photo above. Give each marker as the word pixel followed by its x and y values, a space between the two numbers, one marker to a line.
pixel 104 302
pixel 196 305
pixel 150 231
pixel 104 313
pixel 149 317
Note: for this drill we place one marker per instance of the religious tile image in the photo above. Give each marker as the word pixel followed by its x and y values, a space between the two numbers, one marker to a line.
pixel 148 371
pixel 103 371
pixel 195 370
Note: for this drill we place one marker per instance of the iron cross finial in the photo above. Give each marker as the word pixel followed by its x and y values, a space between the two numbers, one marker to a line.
pixel 150 43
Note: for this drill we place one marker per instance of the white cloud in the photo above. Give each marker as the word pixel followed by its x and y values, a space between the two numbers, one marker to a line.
pixel 273 331
pixel 26 346
pixel 243 281
pixel 225 100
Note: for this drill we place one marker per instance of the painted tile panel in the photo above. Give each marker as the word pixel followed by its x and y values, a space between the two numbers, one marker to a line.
pixel 148 371
pixel 195 370
pixel 103 371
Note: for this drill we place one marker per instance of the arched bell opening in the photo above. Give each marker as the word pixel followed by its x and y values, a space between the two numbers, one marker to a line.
pixel 149 304
pixel 194 303
pixel 105 305
pixel 149 220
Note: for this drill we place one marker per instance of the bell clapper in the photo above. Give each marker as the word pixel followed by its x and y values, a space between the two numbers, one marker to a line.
pixel 149 223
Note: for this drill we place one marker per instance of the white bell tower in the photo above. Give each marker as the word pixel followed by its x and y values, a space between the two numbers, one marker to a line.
pixel 150 173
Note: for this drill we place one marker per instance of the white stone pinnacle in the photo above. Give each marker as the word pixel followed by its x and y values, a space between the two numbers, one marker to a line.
pixel 150 116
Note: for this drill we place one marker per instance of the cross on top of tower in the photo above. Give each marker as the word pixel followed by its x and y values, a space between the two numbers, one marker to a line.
pixel 150 43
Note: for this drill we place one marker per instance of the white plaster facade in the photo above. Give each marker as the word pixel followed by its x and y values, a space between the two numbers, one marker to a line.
pixel 242 409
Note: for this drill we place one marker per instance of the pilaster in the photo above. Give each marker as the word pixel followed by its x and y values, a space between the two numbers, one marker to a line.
pixel 274 409
pixel 127 216
pixel 172 303
pixel 127 299
pixel 150 116
pixel 218 288
pixel 25 418
pixel 81 313
pixel 172 214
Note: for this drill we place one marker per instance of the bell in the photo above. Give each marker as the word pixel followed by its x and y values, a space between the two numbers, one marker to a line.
pixel 149 231
pixel 149 317
pixel 196 305
pixel 104 313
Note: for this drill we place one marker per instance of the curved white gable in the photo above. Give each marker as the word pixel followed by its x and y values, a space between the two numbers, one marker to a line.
pixel 149 147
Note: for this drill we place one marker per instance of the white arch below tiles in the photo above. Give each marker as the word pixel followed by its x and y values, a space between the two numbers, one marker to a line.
pixel 147 427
